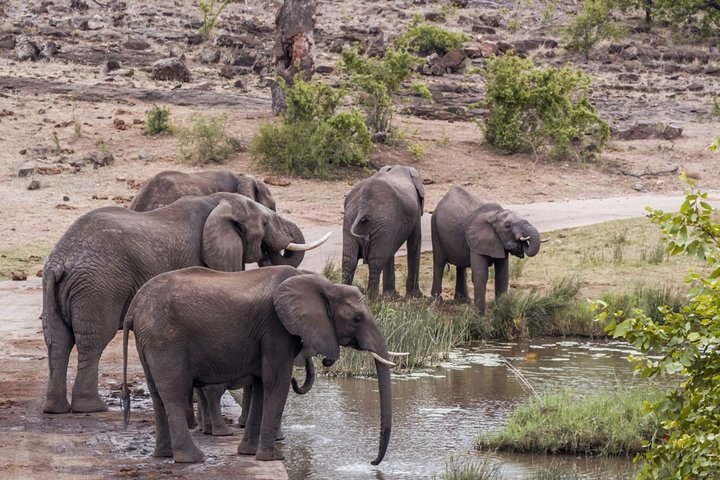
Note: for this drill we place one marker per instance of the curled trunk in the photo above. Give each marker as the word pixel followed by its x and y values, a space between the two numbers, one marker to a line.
pixel 309 378
pixel 279 256
pixel 533 244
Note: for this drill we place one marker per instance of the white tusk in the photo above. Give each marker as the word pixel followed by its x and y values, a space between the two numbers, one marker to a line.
pixel 381 359
pixel 524 239
pixel 398 354
pixel 301 247
pixel 544 240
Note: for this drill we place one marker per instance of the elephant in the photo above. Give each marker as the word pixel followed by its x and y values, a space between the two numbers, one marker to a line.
pixel 166 187
pixel 197 327
pixel 468 233
pixel 381 213
pixel 209 398
pixel 106 255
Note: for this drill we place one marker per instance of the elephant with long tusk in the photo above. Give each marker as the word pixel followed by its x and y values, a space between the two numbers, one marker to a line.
pixel 93 272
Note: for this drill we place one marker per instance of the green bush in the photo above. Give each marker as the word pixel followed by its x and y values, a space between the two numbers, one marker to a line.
pixel 312 139
pixel 158 121
pixel 424 40
pixel 593 24
pixel 204 140
pixel 541 110
pixel 379 80
pixel 211 13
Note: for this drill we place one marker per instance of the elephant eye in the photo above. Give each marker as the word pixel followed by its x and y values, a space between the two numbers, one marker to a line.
pixel 358 318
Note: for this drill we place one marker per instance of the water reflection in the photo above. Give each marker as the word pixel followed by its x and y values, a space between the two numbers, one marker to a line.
pixel 333 431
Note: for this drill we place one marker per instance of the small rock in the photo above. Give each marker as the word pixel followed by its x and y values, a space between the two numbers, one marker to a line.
pixel 637 186
pixel 454 60
pixel 276 181
pixel 194 39
pixel 324 69
pixel 99 158
pixel 66 198
pixel 209 55
pixel 136 44
pixel 144 156
pixel 227 71
pixel 241 83
pixel 172 69
pixel 18 276
pixel 26 49
pixel 26 171
pixel 34 185
pixel 7 41
pixel 79 5
pixel 437 17
pixel 49 50
pixel 39 273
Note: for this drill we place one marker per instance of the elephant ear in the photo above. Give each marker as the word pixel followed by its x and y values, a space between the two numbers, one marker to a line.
pixel 301 302
pixel 222 245
pixel 417 182
pixel 480 232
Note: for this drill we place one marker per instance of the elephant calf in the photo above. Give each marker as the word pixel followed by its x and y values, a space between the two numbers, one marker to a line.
pixel 196 327
pixel 468 233
pixel 166 187
pixel 381 213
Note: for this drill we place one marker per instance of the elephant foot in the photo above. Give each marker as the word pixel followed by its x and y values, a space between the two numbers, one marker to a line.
pixel 88 404
pixel 191 455
pixel 56 406
pixel 162 452
pixel 221 431
pixel 270 454
pixel 242 420
pixel 414 294
pixel 247 448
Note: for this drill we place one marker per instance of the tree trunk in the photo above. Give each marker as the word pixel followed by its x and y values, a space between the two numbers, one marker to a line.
pixel 294 44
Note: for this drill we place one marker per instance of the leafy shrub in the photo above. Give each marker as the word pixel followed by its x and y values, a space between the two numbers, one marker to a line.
pixel 424 40
pixel 311 138
pixel 593 24
pixel 531 109
pixel 211 12
pixel 158 121
pixel 379 80
pixel 204 140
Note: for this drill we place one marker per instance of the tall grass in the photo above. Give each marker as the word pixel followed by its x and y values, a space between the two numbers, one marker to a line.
pixel 467 468
pixel 610 422
pixel 426 332
pixel 649 299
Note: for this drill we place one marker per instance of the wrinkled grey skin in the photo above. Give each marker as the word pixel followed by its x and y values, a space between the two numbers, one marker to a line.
pixel 381 213
pixel 467 233
pixel 95 269
pixel 209 400
pixel 166 187
pixel 197 327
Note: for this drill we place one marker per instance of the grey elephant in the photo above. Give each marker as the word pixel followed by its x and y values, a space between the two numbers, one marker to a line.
pixel 166 187
pixel 196 327
pixel 469 233
pixel 93 272
pixel 381 213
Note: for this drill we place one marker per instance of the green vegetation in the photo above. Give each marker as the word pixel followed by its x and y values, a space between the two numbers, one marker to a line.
pixel 606 422
pixel 541 110
pixel 378 81
pixel 158 121
pixel 312 138
pixel 422 39
pixel 204 140
pixel 426 333
pixel 468 468
pixel 593 24
pixel 682 344
pixel 211 13
pixel 28 259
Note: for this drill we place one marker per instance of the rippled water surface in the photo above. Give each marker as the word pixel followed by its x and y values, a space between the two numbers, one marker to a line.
pixel 333 431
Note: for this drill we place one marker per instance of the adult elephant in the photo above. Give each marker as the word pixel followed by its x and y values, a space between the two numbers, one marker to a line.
pixel 197 327
pixel 166 187
pixel 381 213
pixel 469 233
pixel 93 272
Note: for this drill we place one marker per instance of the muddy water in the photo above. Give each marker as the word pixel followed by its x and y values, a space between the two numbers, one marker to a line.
pixel 332 432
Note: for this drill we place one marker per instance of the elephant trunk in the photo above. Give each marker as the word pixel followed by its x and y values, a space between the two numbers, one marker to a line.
pixel 279 256
pixel 531 246
pixel 309 378
pixel 383 375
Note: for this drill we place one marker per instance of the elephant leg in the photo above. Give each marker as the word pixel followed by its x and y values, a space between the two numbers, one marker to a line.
pixel 461 290
pixel 85 396
pixel 183 448
pixel 439 262
pixel 246 399
pixel 373 288
pixel 414 243
pixel 251 438
pixel 190 414
pixel 389 277
pixel 275 390
pixel 163 445
pixel 502 276
pixel 479 265
pixel 214 424
pixel 60 342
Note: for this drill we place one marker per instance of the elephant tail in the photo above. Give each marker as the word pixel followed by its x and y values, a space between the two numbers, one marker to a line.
pixel 51 312
pixel 127 325
pixel 309 378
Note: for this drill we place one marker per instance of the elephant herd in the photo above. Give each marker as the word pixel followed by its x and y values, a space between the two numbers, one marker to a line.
pixel 171 268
